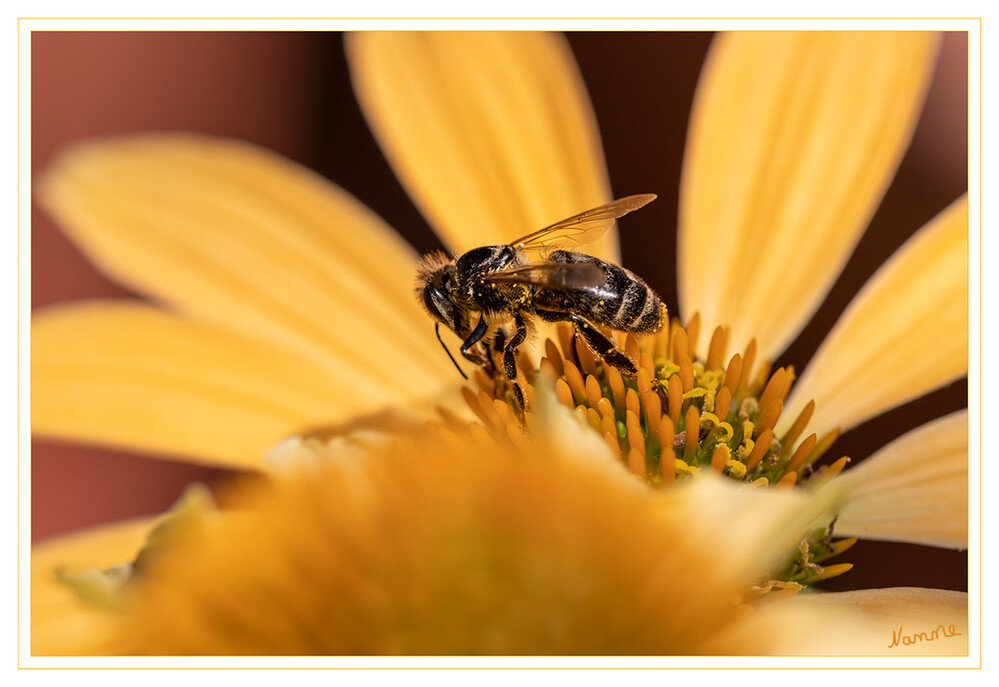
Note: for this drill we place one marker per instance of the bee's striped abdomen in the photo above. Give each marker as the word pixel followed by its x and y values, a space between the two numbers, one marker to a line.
pixel 623 301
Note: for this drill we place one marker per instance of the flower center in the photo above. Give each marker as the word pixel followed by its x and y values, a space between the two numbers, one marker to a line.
pixel 700 413
pixel 681 415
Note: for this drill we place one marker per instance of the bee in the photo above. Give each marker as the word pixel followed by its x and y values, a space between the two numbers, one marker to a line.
pixel 491 296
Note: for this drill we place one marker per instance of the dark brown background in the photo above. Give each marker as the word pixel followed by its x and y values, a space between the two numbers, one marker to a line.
pixel 290 92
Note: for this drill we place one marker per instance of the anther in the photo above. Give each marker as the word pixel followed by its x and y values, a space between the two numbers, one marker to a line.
pixel 799 425
pixel 679 351
pixel 554 357
pixel 716 349
pixel 575 382
pixel 667 456
pixel 801 453
pixel 587 362
pixel 674 393
pixel 759 449
pixel 692 427
pixel 768 420
pixel 748 360
pixel 593 393
pixel 722 402
pixel 774 389
pixel 693 332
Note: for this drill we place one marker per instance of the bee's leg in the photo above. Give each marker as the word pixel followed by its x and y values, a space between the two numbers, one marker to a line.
pixel 595 339
pixel 510 363
pixel 474 338
pixel 496 347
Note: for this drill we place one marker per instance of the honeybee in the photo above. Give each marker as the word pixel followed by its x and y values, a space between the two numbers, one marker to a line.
pixel 493 294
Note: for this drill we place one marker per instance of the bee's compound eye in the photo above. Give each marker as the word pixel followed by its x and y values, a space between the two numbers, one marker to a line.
pixel 438 304
pixel 430 297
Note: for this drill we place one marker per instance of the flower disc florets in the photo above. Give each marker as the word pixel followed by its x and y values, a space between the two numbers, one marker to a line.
pixel 681 415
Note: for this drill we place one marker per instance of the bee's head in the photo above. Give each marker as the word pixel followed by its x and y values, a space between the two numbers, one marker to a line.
pixel 435 287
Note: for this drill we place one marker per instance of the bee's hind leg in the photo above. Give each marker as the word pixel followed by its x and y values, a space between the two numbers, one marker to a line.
pixel 601 345
pixel 495 353
pixel 596 340
pixel 510 364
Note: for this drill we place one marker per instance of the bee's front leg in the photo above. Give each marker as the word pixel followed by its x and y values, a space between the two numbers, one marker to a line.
pixel 474 338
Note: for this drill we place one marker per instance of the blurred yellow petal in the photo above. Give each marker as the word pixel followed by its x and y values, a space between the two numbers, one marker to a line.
pixel 915 489
pixel 906 620
pixel 904 334
pixel 137 377
pixel 236 236
pixel 492 134
pixel 62 624
pixel 444 545
pixel 794 137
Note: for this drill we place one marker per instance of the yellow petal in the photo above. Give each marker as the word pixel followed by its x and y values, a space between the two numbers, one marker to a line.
pixel 544 554
pixel 794 137
pixel 904 620
pixel 915 489
pixel 134 376
pixel 492 134
pixel 62 624
pixel 904 334
pixel 239 237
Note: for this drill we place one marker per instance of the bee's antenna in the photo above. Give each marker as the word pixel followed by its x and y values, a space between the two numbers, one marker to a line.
pixel 437 329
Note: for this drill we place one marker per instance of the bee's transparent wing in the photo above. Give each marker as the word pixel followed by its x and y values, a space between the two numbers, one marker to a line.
pixel 585 227
pixel 551 275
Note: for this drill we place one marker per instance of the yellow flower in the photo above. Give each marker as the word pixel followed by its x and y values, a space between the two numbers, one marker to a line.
pixel 459 547
pixel 281 318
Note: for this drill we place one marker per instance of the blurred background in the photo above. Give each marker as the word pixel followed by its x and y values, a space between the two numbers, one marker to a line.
pixel 290 92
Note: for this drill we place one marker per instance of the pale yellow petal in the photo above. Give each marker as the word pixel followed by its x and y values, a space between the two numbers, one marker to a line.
pixel 796 627
pixel 755 528
pixel 794 137
pixel 62 624
pixel 915 489
pixel 904 334
pixel 133 376
pixel 904 621
pixel 239 237
pixel 492 134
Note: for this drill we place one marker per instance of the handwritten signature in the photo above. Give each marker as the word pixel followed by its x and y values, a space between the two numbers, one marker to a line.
pixel 898 638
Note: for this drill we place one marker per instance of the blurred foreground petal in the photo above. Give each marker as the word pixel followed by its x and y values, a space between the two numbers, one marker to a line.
pixel 62 624
pixel 458 546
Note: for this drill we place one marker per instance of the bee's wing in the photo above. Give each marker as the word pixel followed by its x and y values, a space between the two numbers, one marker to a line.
pixel 585 227
pixel 551 275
